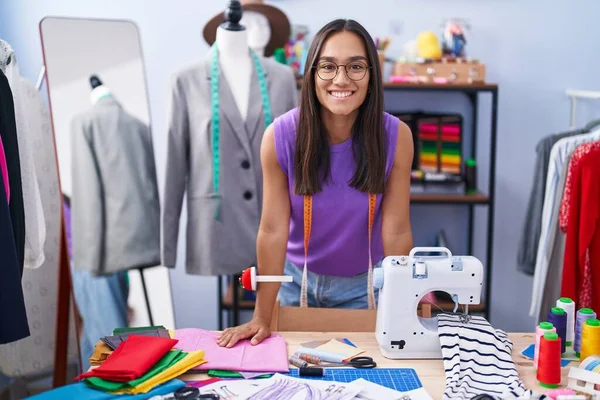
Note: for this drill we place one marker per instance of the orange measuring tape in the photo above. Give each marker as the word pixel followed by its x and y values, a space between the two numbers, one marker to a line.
pixel 307 231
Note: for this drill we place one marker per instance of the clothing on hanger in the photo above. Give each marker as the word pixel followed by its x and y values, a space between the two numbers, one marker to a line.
pixel 585 295
pixel 528 245
pixel 559 156
pixel 8 135
pixel 37 352
pixel 115 221
pixel 13 317
pixel 222 225
pixel 583 230
pixel 4 171
pixel 26 114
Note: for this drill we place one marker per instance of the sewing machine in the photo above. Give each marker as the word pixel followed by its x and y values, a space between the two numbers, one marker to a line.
pixel 402 282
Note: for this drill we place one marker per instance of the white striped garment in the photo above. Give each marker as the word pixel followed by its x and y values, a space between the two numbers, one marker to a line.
pixel 477 360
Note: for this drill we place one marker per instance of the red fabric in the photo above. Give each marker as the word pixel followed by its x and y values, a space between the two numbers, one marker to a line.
pixel 579 152
pixel 583 233
pixel 132 359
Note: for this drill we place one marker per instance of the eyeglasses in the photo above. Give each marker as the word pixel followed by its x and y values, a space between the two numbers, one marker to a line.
pixel 354 70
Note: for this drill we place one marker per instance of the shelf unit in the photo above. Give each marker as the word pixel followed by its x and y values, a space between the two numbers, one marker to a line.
pixel 471 91
pixel 231 302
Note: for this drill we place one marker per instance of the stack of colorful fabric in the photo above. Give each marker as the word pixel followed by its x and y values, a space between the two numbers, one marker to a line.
pixel 139 365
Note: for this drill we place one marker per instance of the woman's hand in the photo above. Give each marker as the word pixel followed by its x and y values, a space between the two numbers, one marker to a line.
pixel 257 329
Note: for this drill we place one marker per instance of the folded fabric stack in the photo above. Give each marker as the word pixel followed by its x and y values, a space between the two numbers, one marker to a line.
pixel 141 363
pixel 243 360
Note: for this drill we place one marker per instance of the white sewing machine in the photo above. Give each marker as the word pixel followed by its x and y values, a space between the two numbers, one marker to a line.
pixel 402 282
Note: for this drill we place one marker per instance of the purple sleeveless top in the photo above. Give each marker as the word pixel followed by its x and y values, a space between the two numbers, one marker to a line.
pixel 340 223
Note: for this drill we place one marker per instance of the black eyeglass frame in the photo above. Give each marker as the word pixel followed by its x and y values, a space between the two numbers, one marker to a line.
pixel 337 71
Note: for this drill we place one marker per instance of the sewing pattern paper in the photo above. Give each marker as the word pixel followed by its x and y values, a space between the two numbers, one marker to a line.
pixel 281 387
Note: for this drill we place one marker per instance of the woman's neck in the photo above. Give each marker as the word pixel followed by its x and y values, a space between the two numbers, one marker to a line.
pixel 338 127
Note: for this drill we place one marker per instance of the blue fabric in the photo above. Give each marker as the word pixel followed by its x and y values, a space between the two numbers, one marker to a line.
pixel 325 291
pixel 102 303
pixel 81 392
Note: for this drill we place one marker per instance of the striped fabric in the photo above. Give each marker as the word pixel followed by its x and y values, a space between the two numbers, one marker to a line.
pixel 477 360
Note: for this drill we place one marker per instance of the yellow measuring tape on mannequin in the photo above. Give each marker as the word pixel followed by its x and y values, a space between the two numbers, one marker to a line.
pixel 307 231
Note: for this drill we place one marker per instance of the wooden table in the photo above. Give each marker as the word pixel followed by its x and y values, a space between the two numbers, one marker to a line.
pixel 430 372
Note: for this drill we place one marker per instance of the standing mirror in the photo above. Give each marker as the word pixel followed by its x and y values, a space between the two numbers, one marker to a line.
pixel 106 159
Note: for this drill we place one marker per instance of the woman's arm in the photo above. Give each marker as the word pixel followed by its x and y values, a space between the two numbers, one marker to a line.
pixel 274 226
pixel 395 227
pixel 271 245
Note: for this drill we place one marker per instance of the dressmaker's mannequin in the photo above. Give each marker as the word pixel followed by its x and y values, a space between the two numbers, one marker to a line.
pixel 234 58
pixel 99 91
pixel 259 31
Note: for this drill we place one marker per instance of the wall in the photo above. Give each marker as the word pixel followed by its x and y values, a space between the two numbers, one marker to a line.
pixel 533 50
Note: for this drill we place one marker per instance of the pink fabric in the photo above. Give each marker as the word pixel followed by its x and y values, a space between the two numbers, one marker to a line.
pixel 268 356
pixel 4 170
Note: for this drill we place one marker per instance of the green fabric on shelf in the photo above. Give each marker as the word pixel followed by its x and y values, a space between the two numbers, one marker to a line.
pixel 218 373
pixel 170 359
pixel 117 331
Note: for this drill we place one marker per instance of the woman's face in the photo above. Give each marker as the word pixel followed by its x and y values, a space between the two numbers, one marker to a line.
pixel 345 93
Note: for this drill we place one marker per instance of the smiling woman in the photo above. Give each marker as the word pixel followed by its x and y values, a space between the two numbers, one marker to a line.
pixel 336 181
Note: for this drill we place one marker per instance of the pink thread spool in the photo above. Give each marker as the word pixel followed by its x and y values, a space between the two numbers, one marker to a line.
pixel 542 328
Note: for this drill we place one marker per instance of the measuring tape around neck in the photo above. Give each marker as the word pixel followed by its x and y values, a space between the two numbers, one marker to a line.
pixel 216 111
pixel 307 232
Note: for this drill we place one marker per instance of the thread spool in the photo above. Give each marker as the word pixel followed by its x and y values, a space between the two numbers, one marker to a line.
pixel 309 358
pixel 297 362
pixel 542 328
pixel 548 373
pixel 558 317
pixel 568 305
pixel 582 315
pixel 590 338
pixel 592 364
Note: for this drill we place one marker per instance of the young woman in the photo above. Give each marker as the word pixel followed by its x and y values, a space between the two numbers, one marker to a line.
pixel 336 176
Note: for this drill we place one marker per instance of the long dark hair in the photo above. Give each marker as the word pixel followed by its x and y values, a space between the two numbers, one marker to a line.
pixel 311 162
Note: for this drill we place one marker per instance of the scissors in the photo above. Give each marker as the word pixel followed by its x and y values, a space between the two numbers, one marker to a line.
pixel 356 362
pixel 361 362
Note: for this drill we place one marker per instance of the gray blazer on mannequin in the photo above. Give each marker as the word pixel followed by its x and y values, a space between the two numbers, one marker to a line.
pixel 229 245
pixel 115 209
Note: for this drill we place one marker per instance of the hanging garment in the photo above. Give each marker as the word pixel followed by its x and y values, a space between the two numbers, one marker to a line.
pixel 585 293
pixel 115 208
pixel 4 171
pixel 528 245
pixel 583 230
pixel 25 117
pixel 478 360
pixel 222 225
pixel 13 317
pixel 40 286
pixel 558 158
pixel 8 135
pixel 551 256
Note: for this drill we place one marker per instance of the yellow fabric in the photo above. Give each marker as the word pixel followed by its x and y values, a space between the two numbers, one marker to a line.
pixel 193 359
pixel 172 333
pixel 101 353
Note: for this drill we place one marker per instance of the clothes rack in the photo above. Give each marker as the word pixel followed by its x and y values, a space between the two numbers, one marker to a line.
pixel 579 94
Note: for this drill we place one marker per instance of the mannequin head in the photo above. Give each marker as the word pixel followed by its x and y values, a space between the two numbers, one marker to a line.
pixel 232 43
pixel 259 30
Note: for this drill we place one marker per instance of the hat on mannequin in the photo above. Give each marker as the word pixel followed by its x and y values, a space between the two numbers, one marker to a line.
pixel 278 21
